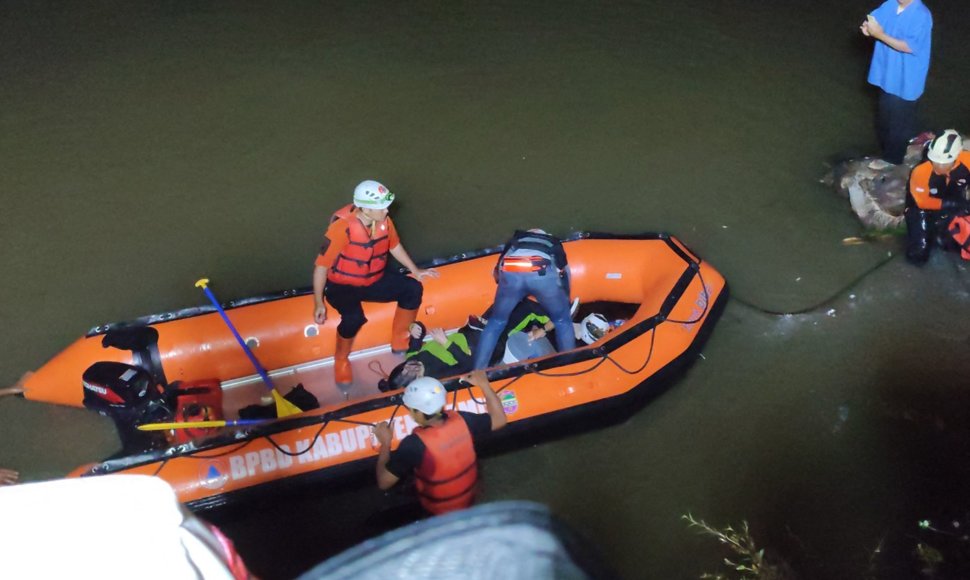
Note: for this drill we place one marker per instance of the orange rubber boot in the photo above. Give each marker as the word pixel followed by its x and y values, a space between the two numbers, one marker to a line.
pixel 343 375
pixel 399 329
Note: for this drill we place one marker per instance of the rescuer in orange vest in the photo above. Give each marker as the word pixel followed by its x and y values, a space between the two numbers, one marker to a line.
pixel 352 268
pixel 441 451
pixel 937 193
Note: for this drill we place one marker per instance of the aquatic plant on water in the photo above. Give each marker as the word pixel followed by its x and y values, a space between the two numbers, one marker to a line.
pixel 748 561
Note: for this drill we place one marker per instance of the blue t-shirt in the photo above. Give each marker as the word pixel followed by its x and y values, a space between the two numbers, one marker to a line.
pixel 899 73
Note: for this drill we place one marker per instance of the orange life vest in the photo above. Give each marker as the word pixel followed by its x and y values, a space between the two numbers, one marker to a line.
pixel 928 190
pixel 447 477
pixel 198 401
pixel 960 230
pixel 361 262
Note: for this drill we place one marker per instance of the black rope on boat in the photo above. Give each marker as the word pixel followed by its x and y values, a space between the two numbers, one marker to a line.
pixel 707 301
pixel 352 422
pixel 223 453
pixel 653 336
pixel 308 447
pixel 380 368
pixel 483 401
pixel 823 303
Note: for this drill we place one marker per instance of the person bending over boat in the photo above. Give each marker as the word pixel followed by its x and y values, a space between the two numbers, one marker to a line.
pixel 937 194
pixel 351 269
pixel 440 452
pixel 532 263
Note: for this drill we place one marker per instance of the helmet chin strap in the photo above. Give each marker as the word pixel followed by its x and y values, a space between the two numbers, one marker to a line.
pixel 368 222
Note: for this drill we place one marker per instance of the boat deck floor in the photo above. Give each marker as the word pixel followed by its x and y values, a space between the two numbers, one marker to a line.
pixel 369 366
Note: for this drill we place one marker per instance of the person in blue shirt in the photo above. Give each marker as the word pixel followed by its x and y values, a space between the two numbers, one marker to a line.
pixel 902 30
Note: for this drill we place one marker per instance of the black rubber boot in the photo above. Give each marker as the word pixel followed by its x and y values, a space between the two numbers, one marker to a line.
pixel 917 236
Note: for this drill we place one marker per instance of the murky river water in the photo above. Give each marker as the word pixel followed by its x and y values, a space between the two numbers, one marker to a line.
pixel 143 145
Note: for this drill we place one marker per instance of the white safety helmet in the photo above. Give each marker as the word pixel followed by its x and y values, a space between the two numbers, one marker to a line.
pixel 592 328
pixel 425 394
pixel 946 148
pixel 371 194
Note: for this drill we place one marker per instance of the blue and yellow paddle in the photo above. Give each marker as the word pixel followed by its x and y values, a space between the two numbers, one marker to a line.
pixel 283 407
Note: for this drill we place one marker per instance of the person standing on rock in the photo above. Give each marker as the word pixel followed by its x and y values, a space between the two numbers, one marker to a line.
pixel 902 30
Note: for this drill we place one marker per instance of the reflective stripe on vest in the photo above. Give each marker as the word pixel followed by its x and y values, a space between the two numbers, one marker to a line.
pixel 361 262
pixel 524 263
pixel 446 479
pixel 440 351
pixel 532 243
pixel 960 230
pixel 933 189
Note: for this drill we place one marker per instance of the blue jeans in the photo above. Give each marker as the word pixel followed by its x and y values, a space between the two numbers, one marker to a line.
pixel 512 288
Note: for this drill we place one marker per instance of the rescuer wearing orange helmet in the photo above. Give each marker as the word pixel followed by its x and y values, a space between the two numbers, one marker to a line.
pixel 351 269
pixel 440 451
pixel 937 193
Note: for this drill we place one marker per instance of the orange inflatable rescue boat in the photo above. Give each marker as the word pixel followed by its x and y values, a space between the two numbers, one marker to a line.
pixel 663 298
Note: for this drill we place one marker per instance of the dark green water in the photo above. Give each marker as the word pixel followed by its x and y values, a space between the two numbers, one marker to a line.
pixel 143 145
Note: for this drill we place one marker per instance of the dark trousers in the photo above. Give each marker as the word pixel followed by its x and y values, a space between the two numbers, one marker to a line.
pixel 895 126
pixel 391 287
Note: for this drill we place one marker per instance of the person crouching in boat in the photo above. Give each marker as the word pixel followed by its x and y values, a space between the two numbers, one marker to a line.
pixel 937 193
pixel 440 452
pixel 532 263
pixel 351 269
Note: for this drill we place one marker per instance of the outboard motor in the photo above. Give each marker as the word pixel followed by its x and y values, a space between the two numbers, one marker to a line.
pixel 142 342
pixel 129 396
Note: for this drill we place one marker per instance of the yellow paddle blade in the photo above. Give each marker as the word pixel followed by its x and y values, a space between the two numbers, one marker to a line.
pixel 186 425
pixel 284 408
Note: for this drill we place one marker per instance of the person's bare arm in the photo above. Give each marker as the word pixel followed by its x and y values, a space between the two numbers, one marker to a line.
pixel 492 402
pixel 872 28
pixel 319 306
pixel 401 255
pixel 385 479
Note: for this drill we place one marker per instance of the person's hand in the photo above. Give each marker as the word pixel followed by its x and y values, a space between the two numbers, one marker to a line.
pixel 8 477
pixel 864 28
pixel 320 313
pixel 382 431
pixel 536 333
pixel 873 27
pixel 419 274
pixel 477 378
pixel 438 335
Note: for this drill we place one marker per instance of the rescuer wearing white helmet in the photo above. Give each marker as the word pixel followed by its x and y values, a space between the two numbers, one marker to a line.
pixel 351 269
pixel 937 194
pixel 440 452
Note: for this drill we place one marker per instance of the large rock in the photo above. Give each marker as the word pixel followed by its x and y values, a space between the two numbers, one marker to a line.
pixel 876 190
